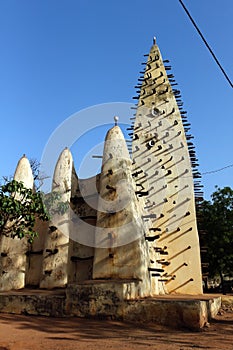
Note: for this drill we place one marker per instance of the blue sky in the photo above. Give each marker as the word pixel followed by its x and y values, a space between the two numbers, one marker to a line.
pixel 61 56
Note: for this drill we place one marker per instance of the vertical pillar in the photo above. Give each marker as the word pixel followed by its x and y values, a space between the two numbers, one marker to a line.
pixel 13 251
pixel 55 258
pixel 121 250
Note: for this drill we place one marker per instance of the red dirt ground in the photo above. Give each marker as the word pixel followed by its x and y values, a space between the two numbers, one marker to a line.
pixel 18 332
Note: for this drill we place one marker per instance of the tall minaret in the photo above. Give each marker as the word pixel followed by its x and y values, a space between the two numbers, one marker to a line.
pixel 162 155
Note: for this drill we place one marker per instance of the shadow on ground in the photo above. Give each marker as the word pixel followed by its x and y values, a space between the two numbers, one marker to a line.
pixel 88 332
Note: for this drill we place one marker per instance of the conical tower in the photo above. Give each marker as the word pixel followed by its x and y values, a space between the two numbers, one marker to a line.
pixel 122 252
pixel 162 155
pixel 55 258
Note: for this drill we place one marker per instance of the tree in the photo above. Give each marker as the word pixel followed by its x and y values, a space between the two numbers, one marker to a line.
pixel 19 208
pixel 216 219
pixel 38 175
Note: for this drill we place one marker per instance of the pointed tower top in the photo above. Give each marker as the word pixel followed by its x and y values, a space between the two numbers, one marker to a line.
pixel 114 133
pixel 23 172
pixel 154 40
pixel 65 154
pixel 115 145
pixel 63 169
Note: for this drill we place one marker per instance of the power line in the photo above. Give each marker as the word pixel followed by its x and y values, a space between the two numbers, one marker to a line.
pixel 206 43
pixel 217 170
pixel 209 172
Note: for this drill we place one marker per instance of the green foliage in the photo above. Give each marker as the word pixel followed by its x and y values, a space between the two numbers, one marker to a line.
pixel 216 219
pixel 54 204
pixel 19 208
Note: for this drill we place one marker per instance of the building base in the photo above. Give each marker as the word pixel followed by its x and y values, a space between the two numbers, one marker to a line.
pixel 110 300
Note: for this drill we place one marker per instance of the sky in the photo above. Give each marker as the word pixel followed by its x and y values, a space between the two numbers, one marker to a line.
pixel 59 57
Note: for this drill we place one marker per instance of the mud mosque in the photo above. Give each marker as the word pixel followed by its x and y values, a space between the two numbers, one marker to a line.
pixel 131 249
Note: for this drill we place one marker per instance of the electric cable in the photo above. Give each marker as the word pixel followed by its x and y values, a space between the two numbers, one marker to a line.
pixel 206 43
pixel 217 170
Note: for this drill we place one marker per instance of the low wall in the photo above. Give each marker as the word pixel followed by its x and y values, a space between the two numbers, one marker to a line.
pixel 106 301
pixel 110 300
pixel 30 302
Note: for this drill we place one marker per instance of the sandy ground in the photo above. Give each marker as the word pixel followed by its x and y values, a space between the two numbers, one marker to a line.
pixel 18 332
